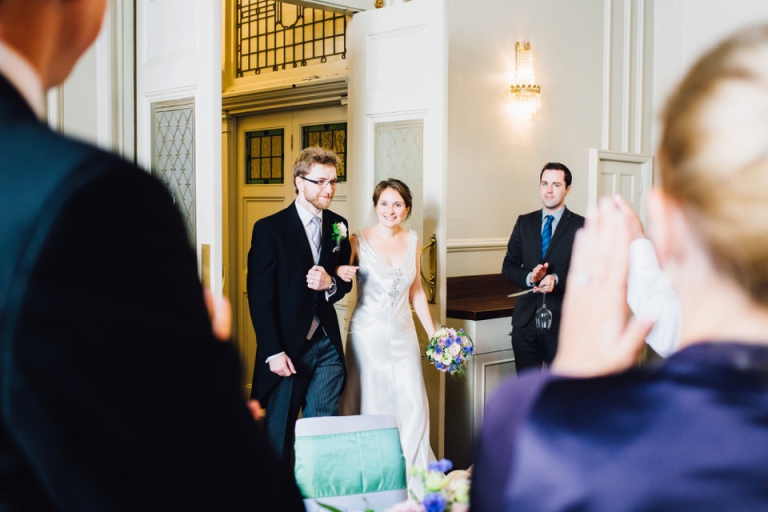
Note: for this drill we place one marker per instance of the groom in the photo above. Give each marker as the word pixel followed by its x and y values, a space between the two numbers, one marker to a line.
pixel 292 287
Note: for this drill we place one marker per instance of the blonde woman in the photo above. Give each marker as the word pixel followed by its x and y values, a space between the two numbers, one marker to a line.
pixel 382 353
pixel 692 433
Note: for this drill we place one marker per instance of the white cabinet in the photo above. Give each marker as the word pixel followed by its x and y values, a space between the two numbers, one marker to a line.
pixel 465 397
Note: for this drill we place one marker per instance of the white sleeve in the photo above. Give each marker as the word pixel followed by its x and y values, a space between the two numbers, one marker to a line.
pixel 650 295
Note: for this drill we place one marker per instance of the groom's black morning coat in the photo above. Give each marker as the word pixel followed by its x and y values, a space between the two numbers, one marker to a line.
pixel 282 306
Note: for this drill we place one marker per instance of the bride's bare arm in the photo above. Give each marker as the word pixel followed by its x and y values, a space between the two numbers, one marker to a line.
pixel 418 299
pixel 347 272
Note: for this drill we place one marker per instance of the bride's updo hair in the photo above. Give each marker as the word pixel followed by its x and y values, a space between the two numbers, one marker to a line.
pixel 713 157
pixel 399 187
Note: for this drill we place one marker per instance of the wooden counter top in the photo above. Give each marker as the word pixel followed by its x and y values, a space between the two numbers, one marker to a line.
pixel 479 297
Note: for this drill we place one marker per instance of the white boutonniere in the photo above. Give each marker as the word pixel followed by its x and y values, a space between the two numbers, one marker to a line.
pixel 339 234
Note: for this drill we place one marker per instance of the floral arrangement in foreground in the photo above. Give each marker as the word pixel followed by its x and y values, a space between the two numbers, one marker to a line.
pixel 441 493
pixel 449 349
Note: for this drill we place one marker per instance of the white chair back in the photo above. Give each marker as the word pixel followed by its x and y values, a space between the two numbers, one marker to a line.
pixel 350 462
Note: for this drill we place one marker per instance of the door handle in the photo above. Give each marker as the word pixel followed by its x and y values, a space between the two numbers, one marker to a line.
pixel 431 280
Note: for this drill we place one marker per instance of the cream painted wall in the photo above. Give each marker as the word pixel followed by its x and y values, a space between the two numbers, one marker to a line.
pixel 605 67
pixel 685 29
pixel 494 159
pixel 96 102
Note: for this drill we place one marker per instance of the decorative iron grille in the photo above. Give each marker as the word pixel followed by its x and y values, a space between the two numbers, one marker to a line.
pixel 264 156
pixel 273 35
pixel 328 136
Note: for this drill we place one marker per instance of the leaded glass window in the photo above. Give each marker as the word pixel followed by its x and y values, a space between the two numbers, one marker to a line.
pixel 173 155
pixel 264 152
pixel 328 136
pixel 272 36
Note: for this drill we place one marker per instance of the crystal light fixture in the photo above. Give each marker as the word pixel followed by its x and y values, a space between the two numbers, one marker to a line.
pixel 526 95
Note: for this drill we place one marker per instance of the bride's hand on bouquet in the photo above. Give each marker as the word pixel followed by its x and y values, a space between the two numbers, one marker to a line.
pixel 346 272
pixel 597 335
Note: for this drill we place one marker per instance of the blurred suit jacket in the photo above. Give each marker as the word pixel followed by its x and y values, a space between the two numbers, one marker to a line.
pixel 689 435
pixel 114 393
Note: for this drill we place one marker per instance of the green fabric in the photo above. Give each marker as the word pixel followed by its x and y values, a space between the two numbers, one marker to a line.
pixel 350 463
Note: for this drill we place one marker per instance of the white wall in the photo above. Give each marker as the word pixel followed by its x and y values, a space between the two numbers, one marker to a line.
pixel 96 102
pixel 685 29
pixel 605 68
pixel 494 159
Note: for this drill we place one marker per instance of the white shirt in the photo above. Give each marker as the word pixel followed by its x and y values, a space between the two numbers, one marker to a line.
pixel 650 295
pixel 306 220
pixel 23 76
pixel 556 216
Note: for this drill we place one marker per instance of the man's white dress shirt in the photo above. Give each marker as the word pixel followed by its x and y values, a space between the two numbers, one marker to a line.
pixel 650 295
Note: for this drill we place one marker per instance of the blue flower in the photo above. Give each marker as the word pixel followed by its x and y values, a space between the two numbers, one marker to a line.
pixel 439 365
pixel 471 349
pixel 434 502
pixel 442 465
pixel 438 351
pixel 449 342
pixel 459 359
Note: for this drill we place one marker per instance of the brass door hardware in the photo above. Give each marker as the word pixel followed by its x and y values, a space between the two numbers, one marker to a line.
pixel 431 281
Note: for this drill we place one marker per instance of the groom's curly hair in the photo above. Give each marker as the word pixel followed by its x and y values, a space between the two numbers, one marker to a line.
pixel 311 156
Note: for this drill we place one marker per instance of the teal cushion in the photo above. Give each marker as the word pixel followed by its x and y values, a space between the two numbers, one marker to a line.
pixel 350 463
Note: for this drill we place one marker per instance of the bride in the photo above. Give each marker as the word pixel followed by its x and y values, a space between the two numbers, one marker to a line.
pixel 382 353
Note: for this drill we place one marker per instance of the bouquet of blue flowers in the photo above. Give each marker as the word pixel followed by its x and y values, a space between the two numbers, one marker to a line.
pixel 449 349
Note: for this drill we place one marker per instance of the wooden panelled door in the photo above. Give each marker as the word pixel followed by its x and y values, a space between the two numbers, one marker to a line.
pixel 267 146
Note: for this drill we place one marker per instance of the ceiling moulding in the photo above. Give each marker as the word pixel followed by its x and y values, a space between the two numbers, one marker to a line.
pixel 348 7
pixel 287 97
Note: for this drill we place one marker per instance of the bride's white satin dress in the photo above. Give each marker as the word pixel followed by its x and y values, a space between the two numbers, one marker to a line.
pixel 383 355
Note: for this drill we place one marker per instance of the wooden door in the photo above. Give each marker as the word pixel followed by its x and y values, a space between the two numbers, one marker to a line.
pixel 267 146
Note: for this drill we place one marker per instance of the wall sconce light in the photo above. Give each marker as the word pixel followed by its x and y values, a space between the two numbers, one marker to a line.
pixel 526 95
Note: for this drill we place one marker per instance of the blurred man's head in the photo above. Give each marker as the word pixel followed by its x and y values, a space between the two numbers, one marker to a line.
pixel 51 34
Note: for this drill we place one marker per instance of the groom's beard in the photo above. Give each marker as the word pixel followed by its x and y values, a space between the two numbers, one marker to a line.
pixel 320 201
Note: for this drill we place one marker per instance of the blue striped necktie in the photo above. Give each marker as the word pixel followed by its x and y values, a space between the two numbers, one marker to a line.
pixel 546 235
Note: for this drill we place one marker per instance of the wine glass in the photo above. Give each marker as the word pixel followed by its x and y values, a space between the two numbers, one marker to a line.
pixel 543 315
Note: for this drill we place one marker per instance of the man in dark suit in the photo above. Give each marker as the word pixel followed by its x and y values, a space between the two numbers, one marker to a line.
pixel 538 256
pixel 115 393
pixel 292 287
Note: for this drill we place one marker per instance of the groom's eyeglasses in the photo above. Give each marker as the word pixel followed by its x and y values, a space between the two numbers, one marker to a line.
pixel 321 183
